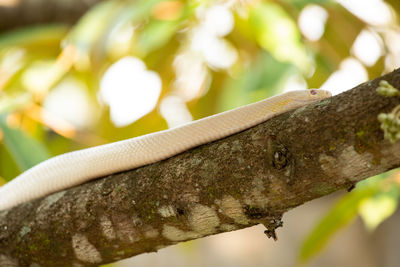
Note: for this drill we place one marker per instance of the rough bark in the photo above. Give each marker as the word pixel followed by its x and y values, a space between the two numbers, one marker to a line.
pixel 18 13
pixel 249 178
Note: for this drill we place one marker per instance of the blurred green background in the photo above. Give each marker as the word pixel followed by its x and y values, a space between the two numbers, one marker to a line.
pixel 127 68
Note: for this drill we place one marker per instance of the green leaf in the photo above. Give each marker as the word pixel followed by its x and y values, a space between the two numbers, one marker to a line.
pixel 92 25
pixel 264 78
pixel 95 29
pixel 9 103
pixel 277 33
pixel 155 35
pixel 2 181
pixel 25 150
pixel 34 36
pixel 159 32
pixel 138 11
pixel 341 214
pixel 8 168
pixel 346 210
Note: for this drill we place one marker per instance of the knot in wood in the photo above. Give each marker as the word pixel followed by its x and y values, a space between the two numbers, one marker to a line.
pixel 281 157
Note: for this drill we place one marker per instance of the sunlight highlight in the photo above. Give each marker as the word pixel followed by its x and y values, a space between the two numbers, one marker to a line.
pixel 312 22
pixel 392 42
pixel 375 210
pixel 191 75
pixel 49 119
pixel 216 22
pixel 206 47
pixel 41 76
pixel 351 73
pixel 121 41
pixel 374 12
pixel 174 111
pixel 294 83
pixel 130 90
pixel 69 102
pixel 368 47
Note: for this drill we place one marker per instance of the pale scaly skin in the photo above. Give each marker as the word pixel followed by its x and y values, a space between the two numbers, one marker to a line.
pixel 74 168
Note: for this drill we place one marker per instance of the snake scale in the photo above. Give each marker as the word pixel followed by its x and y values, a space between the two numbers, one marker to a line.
pixel 74 168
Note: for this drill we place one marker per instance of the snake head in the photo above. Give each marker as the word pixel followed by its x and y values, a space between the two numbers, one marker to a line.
pixel 319 93
pixel 313 95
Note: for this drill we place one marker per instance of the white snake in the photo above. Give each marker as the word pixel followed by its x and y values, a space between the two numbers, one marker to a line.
pixel 74 168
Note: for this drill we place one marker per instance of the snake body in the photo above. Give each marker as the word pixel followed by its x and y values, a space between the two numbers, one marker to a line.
pixel 74 168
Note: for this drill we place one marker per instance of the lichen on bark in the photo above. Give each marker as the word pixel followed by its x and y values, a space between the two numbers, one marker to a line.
pixel 248 178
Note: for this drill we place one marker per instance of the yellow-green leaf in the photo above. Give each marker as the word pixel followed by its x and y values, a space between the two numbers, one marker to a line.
pixel 341 214
pixel 264 78
pixel 34 36
pixel 25 150
pixel 376 209
pixel 155 35
pixel 276 32
pixel 9 103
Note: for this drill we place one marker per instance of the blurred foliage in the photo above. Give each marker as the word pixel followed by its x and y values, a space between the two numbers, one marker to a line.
pixel 21 146
pixel 374 199
pixel 209 56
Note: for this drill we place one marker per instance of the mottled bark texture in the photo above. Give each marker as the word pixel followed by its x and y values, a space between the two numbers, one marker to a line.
pixel 18 13
pixel 249 178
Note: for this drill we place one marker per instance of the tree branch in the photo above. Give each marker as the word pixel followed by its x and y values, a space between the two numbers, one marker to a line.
pixel 249 178
pixel 27 12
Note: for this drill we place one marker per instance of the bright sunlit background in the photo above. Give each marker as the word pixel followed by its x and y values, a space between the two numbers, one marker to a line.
pixel 128 68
